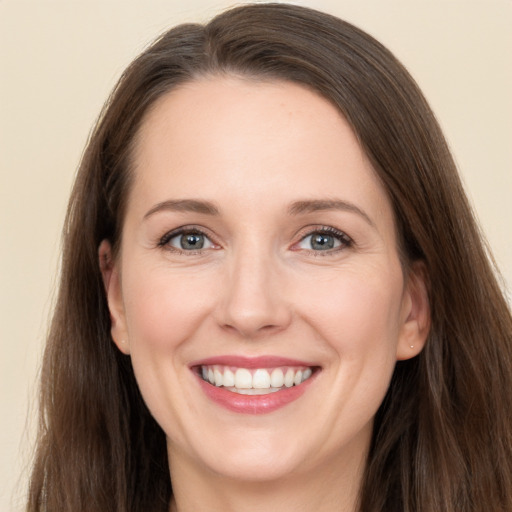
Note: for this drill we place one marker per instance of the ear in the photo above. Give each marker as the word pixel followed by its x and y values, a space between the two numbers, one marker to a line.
pixel 112 282
pixel 415 313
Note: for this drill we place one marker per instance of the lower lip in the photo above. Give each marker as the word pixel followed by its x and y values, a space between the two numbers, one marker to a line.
pixel 254 404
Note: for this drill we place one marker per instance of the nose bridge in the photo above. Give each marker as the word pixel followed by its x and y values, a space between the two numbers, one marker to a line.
pixel 253 301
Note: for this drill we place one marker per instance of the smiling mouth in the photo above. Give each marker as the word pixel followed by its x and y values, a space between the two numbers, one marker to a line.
pixel 255 381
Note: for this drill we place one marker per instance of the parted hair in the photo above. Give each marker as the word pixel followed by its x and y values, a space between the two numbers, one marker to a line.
pixel 442 439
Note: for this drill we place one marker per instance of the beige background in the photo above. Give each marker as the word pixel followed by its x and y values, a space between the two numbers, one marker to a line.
pixel 58 61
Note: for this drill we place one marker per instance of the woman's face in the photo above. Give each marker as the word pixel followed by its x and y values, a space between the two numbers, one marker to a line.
pixel 259 251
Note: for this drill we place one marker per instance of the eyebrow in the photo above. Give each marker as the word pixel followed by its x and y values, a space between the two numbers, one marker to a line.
pixel 315 205
pixel 184 205
pixel 296 208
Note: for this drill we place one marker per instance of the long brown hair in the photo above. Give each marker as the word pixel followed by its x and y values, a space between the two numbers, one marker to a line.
pixel 442 438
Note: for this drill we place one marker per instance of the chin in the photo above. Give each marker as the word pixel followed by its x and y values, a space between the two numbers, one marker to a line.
pixel 257 468
pixel 246 456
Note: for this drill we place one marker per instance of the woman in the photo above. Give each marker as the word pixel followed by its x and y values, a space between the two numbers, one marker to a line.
pixel 273 292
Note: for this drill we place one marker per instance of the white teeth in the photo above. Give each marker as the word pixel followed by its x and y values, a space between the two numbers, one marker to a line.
pixel 261 379
pixel 277 378
pixel 229 378
pixel 289 377
pixel 255 382
pixel 243 379
pixel 218 377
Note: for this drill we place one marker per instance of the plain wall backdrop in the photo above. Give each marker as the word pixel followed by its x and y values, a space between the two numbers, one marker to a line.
pixel 58 62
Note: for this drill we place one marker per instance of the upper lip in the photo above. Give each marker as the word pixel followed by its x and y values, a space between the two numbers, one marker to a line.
pixel 250 362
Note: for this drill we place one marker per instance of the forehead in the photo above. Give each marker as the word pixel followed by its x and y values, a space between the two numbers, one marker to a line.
pixel 209 109
pixel 223 136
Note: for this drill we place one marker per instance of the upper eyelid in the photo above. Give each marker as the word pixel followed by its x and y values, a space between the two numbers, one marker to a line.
pixel 309 230
pixel 190 228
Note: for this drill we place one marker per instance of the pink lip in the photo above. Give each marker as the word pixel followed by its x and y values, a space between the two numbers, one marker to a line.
pixel 250 362
pixel 252 404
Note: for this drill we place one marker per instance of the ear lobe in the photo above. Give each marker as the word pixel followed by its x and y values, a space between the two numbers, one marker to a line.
pixel 112 283
pixel 416 313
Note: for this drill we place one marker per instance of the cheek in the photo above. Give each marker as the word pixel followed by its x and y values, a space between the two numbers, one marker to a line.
pixel 162 310
pixel 163 313
pixel 359 321
pixel 358 313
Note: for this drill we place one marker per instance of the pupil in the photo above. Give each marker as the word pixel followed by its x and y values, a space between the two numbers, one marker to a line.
pixel 192 241
pixel 322 242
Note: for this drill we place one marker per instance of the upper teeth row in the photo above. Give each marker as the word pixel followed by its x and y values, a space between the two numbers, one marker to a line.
pixel 261 378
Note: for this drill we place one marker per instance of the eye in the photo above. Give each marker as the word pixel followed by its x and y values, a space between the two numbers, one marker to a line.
pixel 188 240
pixel 324 240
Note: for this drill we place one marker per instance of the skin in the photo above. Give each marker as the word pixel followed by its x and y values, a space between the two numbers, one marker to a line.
pixel 258 287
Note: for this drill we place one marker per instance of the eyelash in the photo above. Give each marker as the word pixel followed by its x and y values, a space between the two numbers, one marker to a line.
pixel 185 230
pixel 344 240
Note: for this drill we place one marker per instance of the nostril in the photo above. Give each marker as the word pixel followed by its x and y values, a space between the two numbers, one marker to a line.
pixel 253 303
pixel 251 330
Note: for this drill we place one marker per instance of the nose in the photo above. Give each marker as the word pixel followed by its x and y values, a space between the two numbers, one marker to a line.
pixel 253 300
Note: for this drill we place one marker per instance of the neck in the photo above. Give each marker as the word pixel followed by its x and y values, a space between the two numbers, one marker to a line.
pixel 323 489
